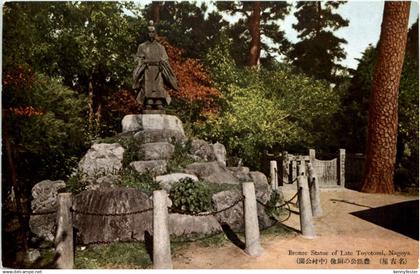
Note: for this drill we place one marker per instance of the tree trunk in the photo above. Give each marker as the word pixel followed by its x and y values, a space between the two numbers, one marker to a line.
pixel 383 103
pixel 156 11
pixel 254 29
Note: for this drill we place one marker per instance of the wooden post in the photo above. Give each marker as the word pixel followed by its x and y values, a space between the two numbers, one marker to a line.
pixel 306 225
pixel 161 242
pixel 314 192
pixel 285 168
pixel 341 172
pixel 64 236
pixel 273 175
pixel 252 231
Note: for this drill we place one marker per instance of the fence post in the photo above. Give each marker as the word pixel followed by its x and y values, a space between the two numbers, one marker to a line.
pixel 285 168
pixel 273 175
pixel 306 225
pixel 161 243
pixel 314 192
pixel 64 236
pixel 341 173
pixel 252 232
pixel 294 165
pixel 311 155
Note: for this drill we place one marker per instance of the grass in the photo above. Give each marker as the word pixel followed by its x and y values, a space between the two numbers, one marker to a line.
pixel 114 255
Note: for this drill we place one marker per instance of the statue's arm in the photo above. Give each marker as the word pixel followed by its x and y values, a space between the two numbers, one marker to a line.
pixel 140 67
pixel 168 73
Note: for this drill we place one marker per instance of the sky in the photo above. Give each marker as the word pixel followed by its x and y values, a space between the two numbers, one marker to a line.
pixel 365 18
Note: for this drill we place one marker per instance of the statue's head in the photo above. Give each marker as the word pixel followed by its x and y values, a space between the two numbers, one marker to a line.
pixel 152 31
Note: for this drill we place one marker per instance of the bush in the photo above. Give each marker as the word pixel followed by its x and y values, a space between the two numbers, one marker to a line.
pixel 181 158
pixel 190 197
pixel 142 182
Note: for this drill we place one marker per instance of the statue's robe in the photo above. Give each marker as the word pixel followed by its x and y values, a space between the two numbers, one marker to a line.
pixel 152 72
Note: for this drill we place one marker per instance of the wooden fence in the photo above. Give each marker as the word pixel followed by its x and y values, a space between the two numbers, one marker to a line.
pixel 331 173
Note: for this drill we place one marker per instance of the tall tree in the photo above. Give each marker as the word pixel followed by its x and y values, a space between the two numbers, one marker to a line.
pixel 383 108
pixel 187 25
pixel 318 52
pixel 258 19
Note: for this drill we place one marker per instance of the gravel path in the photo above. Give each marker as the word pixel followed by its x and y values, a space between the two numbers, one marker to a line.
pixel 337 231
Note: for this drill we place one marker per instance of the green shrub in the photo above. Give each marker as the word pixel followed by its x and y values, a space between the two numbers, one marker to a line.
pixel 181 158
pixel 75 184
pixel 143 182
pixel 190 197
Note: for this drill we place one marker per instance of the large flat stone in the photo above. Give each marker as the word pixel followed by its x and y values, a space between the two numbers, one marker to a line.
pixel 212 172
pixel 137 122
pixel 159 135
pixel 155 167
pixel 185 225
pixel 99 228
pixel 156 151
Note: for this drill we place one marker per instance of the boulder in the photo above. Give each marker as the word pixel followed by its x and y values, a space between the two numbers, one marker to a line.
pixel 101 160
pixel 202 150
pixel 219 151
pixel 241 173
pixel 100 228
pixel 233 216
pixel 156 167
pixel 156 151
pixel 185 225
pixel 44 196
pixel 262 188
pixel 166 181
pixel 212 172
pixel 137 122
pixel 159 135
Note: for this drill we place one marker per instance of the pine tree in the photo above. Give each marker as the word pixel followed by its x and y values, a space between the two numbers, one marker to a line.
pixel 319 51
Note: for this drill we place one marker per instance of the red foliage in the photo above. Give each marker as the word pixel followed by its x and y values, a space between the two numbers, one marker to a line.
pixel 194 82
pixel 123 101
pixel 18 77
pixel 26 111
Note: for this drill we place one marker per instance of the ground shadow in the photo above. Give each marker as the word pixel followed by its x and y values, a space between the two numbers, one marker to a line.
pixel 231 235
pixel 148 243
pixel 402 217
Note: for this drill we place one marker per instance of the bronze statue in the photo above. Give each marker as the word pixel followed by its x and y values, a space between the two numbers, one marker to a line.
pixel 151 73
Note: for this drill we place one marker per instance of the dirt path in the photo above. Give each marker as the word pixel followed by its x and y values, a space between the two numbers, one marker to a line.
pixel 337 231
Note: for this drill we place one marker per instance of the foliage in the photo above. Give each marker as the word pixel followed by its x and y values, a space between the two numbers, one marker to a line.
pixel 319 50
pixel 143 182
pixel 196 95
pixel 44 123
pixel 272 207
pixel 181 157
pixel 274 40
pixel 190 197
pixel 75 184
pixel 114 255
pixel 267 110
pixel 187 25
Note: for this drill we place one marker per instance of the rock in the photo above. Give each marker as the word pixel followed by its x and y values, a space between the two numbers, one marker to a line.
pixel 241 173
pixel 184 225
pixel 203 150
pixel 212 172
pixel 166 181
pixel 137 122
pixel 156 151
pixel 101 160
pixel 262 188
pixel 44 196
pixel 94 228
pixel 32 255
pixel 157 135
pixel 233 216
pixel 219 151
pixel 156 167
